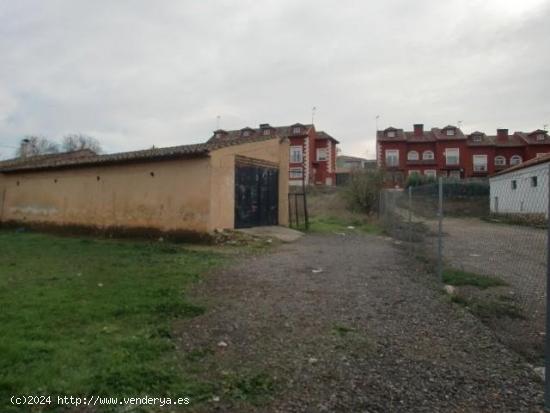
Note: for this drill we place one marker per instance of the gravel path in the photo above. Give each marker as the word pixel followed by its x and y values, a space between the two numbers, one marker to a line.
pixel 365 334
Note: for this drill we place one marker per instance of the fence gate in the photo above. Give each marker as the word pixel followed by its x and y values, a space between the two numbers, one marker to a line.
pixel 256 193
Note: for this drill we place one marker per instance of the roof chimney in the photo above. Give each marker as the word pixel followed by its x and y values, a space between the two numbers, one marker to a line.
pixel 419 129
pixel 264 125
pixel 502 135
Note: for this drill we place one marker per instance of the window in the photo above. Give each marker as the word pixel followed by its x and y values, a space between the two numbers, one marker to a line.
pixel 514 184
pixel 480 163
pixel 450 132
pixel 296 173
pixel 516 159
pixel 392 157
pixel 500 161
pixel 541 154
pixel 296 130
pixel 412 156
pixel 540 137
pixel 322 154
pixel 476 138
pixel 414 172
pixel 534 182
pixel 452 156
pixel 428 156
pixel 296 154
pixel 391 134
pixel 430 173
pixel 266 131
pixel 454 174
pixel 246 133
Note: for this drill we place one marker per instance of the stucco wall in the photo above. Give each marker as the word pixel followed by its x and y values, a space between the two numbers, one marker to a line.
pixel 222 202
pixel 126 195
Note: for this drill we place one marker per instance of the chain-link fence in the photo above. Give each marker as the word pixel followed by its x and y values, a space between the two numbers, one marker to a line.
pixel 487 243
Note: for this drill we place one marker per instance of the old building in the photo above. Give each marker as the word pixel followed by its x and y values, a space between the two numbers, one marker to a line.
pixel 451 153
pixel 190 188
pixel 312 156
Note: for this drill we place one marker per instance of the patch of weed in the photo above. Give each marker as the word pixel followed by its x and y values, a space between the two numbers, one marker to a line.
pixel 458 277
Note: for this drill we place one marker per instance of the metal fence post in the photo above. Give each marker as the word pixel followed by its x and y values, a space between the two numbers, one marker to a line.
pixel 546 338
pixel 440 232
pixel 410 220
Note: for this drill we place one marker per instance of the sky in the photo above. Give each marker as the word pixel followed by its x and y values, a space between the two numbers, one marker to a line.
pixel 137 73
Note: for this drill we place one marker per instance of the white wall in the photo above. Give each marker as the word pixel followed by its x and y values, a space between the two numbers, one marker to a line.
pixel 525 199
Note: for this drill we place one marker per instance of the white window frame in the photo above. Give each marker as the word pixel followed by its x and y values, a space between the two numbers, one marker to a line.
pixel 540 137
pixel 450 132
pixel 320 156
pixel 476 138
pixel 428 155
pixel 430 173
pixel 391 134
pixel 246 133
pixel 296 130
pixel 394 152
pixel 479 166
pixel 413 156
pixel 296 173
pixel 498 160
pixel 296 150
pixel 447 150
pixel 516 160
pixel 266 132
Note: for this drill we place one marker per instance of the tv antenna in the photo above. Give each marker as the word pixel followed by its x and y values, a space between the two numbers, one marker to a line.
pixel 459 124
pixel 218 122
pixel 377 117
pixel 545 126
pixel 313 110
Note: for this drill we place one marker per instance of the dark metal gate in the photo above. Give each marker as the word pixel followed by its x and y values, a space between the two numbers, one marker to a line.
pixel 256 194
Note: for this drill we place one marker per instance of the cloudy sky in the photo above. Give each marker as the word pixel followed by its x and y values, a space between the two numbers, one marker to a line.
pixel 140 73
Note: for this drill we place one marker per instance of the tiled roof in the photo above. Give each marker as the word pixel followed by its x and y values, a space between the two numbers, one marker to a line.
pixel 172 152
pixel 282 131
pixel 324 135
pixel 351 158
pixel 531 162
pixel 515 139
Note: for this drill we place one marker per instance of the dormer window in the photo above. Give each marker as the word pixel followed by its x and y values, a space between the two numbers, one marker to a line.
pixel 390 134
pixel 450 132
pixel 296 130
pixel 540 137
pixel 246 133
pixel 266 132
pixel 476 138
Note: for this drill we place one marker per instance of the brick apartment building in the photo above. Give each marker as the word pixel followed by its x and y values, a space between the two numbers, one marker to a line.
pixel 312 157
pixel 451 153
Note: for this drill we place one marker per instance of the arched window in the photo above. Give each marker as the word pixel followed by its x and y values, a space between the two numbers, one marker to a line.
pixel 500 161
pixel 412 156
pixel 516 159
pixel 428 155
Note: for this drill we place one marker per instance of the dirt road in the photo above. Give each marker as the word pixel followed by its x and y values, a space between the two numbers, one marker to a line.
pixel 342 324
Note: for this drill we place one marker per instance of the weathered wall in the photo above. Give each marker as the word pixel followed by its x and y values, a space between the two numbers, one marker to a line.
pixel 222 203
pixel 167 195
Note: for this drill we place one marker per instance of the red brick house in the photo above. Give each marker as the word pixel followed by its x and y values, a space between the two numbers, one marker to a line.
pixel 312 153
pixel 451 153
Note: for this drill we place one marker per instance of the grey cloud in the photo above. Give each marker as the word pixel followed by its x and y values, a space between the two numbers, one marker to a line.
pixel 138 73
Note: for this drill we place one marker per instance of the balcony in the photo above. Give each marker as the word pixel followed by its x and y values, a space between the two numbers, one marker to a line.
pixel 422 162
pixel 480 170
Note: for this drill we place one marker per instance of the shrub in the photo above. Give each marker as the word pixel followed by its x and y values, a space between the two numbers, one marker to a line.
pixel 417 180
pixel 363 190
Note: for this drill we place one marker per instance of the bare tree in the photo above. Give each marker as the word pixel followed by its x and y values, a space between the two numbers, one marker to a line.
pixel 78 141
pixel 36 145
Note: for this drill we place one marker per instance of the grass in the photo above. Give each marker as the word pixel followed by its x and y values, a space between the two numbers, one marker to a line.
pixel 331 224
pixel 490 308
pixel 86 316
pixel 458 277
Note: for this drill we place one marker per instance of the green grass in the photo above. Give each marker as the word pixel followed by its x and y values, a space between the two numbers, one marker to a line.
pixel 458 277
pixel 86 316
pixel 490 308
pixel 330 224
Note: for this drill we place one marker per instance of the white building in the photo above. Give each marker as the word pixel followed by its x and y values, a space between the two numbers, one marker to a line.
pixel 521 189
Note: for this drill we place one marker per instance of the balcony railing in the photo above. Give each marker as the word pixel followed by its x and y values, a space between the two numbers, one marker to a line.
pixel 480 168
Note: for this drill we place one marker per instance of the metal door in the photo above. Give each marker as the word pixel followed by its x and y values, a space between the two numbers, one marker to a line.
pixel 256 196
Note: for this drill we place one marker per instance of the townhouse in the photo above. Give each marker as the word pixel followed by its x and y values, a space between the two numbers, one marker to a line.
pixel 450 153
